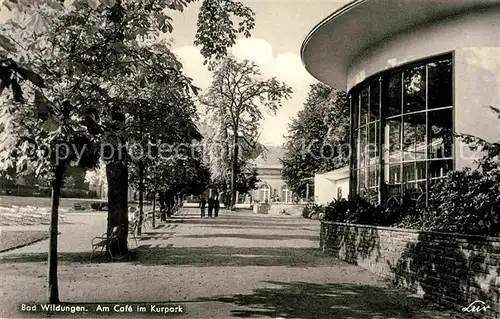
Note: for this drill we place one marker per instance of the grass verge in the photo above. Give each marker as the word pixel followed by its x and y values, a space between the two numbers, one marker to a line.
pixel 10 240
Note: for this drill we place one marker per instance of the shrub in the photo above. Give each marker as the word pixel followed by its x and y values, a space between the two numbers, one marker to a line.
pixel 306 210
pixel 311 209
pixel 467 201
pixel 358 210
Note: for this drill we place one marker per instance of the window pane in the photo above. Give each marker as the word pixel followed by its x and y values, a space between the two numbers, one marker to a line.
pixel 374 101
pixel 393 139
pixel 372 140
pixel 421 187
pixel 394 174
pixel 361 179
pixel 421 171
pixel 440 84
pixel 394 179
pixel 393 190
pixel 409 175
pixel 355 110
pixel 439 168
pixel 373 176
pixel 355 148
pixel 393 94
pixel 414 89
pixel 364 102
pixel 440 133
pixel 362 147
pixel 414 137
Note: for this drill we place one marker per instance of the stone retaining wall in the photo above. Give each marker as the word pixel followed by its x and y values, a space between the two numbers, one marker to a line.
pixel 450 269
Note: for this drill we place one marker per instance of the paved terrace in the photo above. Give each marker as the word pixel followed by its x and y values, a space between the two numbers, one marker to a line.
pixel 238 265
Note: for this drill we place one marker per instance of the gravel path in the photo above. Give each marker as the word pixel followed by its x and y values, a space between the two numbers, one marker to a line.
pixel 238 265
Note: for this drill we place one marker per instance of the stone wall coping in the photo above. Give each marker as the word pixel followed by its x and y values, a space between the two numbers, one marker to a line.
pixel 416 231
pixel 281 204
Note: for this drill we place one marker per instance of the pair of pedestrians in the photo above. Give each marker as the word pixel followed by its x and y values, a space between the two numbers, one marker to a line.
pixel 213 206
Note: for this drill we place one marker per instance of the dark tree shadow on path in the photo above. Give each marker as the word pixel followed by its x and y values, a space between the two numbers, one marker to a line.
pixel 227 256
pixel 309 300
pixel 255 236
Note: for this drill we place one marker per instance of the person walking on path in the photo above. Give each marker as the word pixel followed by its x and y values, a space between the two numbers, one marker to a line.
pixel 216 206
pixel 210 206
pixel 203 204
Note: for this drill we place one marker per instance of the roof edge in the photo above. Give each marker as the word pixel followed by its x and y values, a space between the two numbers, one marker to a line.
pixel 345 8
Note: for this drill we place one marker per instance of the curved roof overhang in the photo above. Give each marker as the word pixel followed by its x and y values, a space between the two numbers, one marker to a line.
pixel 329 48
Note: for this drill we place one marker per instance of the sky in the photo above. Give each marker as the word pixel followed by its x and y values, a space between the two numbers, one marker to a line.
pixel 280 28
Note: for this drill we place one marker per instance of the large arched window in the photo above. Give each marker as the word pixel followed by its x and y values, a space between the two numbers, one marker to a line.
pixel 264 192
pixel 286 194
pixel 402 129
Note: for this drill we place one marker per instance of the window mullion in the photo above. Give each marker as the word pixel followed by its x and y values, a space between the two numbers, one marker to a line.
pixel 380 144
pixel 402 130
pixel 427 134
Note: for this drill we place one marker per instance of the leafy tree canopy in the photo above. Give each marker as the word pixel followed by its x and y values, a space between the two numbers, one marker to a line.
pixel 318 138
pixel 236 103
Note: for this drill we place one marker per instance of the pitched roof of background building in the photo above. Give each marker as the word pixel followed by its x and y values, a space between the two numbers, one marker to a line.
pixel 270 156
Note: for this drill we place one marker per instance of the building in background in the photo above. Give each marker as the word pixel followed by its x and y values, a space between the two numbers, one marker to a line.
pixel 416 72
pixel 331 185
pixel 271 186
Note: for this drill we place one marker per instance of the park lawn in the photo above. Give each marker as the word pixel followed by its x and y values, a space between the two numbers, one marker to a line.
pixel 17 238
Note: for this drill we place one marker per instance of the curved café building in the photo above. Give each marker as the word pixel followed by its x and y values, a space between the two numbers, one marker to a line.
pixel 415 73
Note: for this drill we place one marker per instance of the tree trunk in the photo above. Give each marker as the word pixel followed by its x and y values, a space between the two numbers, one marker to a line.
pixel 234 171
pixel 169 206
pixel 141 198
pixel 117 174
pixel 154 206
pixel 170 203
pixel 52 287
pixel 162 199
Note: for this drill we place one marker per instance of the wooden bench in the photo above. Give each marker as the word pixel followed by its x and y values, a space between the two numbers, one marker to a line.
pixel 99 206
pixel 148 218
pixel 103 242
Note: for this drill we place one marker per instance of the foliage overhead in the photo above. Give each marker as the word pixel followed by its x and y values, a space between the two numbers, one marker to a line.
pixel 100 50
pixel 216 30
pixel 180 173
